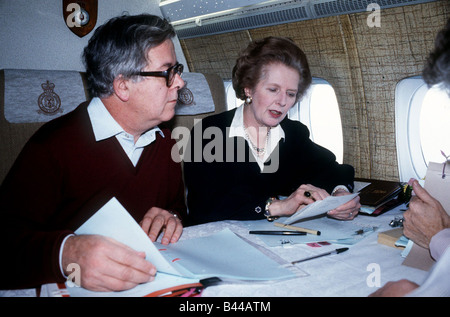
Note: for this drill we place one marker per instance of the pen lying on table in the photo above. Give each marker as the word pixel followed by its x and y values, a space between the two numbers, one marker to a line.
pixel 275 232
pixel 337 251
pixel 282 225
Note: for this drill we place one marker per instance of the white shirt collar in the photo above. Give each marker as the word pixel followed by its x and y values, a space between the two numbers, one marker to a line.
pixel 105 126
pixel 237 130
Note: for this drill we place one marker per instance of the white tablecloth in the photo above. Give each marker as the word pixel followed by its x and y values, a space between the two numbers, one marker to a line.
pixel 347 274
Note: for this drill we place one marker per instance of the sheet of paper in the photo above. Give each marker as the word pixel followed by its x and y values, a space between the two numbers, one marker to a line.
pixel 319 207
pixel 437 186
pixel 114 221
pixel 419 258
pixel 220 255
pixel 161 281
pixel 359 186
pixel 224 255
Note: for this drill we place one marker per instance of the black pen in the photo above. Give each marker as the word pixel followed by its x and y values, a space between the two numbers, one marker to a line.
pixel 337 251
pixel 276 232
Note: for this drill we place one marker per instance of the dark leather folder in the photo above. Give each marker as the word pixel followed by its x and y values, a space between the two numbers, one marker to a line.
pixel 378 192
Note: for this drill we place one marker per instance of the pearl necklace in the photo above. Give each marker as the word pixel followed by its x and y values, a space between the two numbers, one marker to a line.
pixel 259 151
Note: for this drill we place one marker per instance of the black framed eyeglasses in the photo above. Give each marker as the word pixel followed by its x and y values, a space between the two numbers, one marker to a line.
pixel 168 74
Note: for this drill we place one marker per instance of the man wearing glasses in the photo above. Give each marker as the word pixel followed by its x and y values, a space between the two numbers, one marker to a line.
pixel 108 147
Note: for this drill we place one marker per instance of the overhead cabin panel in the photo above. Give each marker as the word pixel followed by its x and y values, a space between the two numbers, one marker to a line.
pixel 193 18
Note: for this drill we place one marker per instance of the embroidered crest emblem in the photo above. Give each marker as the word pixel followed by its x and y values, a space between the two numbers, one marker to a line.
pixel 185 96
pixel 49 102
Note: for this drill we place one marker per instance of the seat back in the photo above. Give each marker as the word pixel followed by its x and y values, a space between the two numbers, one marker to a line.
pixel 202 98
pixel 29 98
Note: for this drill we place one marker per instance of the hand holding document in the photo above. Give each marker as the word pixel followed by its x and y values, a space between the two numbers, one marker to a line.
pixel 223 255
pixel 113 221
pixel 319 207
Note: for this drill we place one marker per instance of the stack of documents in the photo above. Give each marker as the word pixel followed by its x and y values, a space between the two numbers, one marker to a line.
pixel 223 255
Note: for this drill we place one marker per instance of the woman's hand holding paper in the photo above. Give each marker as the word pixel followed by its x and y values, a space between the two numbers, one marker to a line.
pixel 347 211
pixel 297 200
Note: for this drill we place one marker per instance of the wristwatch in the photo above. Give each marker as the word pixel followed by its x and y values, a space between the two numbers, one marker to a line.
pixel 266 210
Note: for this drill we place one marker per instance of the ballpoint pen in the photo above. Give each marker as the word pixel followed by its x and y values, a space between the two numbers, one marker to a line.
pixel 337 251
pixel 276 232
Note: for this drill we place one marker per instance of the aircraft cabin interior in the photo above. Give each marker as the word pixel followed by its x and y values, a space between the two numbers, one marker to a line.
pixel 368 102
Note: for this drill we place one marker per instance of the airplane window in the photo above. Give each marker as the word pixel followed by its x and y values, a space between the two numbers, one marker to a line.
pixel 232 100
pixel 422 120
pixel 318 110
pixel 435 125
pixel 325 119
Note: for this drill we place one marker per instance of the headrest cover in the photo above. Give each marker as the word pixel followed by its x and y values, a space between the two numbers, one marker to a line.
pixel 41 95
pixel 195 97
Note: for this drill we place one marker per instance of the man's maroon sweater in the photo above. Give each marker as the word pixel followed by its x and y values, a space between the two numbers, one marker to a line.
pixel 61 177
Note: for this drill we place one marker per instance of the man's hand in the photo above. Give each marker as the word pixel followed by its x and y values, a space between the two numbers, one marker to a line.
pixel 424 218
pixel 157 220
pixel 395 289
pixel 105 264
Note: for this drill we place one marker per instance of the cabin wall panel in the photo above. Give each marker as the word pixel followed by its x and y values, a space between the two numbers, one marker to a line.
pixel 387 54
pixel 214 54
pixel 362 63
